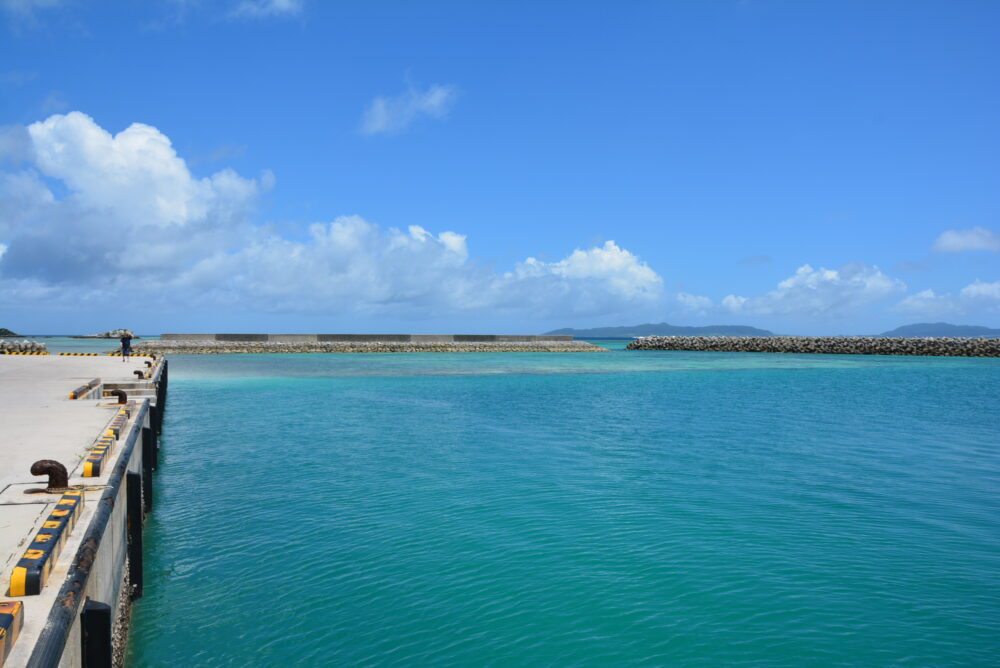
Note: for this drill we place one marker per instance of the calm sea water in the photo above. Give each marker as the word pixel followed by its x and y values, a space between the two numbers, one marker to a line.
pixel 627 508
pixel 66 344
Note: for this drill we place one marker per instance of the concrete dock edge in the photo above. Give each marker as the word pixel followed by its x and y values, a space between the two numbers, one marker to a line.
pixel 81 616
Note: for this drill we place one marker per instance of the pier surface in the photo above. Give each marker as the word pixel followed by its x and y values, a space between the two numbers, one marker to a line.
pixel 41 422
pixel 39 419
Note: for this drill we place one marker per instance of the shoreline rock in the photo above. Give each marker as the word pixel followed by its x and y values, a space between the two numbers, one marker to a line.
pixel 111 334
pixel 827 345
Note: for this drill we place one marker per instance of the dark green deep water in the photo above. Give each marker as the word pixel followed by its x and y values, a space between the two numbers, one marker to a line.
pixel 572 509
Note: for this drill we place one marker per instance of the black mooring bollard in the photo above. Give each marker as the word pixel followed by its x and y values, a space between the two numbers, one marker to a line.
pixel 58 477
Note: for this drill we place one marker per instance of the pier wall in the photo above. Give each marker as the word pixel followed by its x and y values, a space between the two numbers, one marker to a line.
pixel 837 345
pixel 106 547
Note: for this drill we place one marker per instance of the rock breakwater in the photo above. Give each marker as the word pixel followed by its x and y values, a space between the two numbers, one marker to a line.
pixel 22 347
pixel 834 345
pixel 252 347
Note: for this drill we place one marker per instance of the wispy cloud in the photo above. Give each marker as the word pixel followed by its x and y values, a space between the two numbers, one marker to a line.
pixel 391 115
pixel 219 154
pixel 53 102
pixel 755 260
pixel 976 238
pixel 15 144
pixel 26 8
pixel 911 267
pixel 268 8
pixel 688 304
pixel 17 77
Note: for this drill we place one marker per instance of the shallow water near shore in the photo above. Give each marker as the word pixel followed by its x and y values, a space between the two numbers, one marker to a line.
pixel 626 508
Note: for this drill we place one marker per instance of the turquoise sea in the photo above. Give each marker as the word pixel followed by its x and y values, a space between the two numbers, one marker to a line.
pixel 575 509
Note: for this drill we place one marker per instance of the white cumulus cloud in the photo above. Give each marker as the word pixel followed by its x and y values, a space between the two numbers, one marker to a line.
pixel 131 202
pixel 608 263
pixel 86 213
pixel 978 297
pixel 355 265
pixel 927 302
pixel 976 238
pixel 982 291
pixel 135 173
pixel 602 279
pixel 390 115
pixel 819 292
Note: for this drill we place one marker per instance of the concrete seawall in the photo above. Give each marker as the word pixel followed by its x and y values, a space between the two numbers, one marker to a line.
pixel 836 345
pixel 360 343
pixel 367 338
pixel 72 552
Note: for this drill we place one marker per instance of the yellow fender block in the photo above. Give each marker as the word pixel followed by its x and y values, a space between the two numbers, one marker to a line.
pixel 11 621
pixel 32 570
pixel 81 391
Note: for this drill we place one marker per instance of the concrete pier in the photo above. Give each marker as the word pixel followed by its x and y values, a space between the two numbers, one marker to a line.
pixel 71 558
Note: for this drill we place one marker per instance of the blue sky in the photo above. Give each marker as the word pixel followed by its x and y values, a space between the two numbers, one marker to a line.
pixel 296 165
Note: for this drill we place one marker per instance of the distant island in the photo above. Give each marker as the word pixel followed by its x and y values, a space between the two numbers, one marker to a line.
pixel 6 332
pixel 942 329
pixel 660 329
pixel 918 330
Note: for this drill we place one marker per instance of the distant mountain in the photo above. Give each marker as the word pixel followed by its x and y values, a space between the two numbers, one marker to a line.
pixel 928 329
pixel 661 329
pixel 6 332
